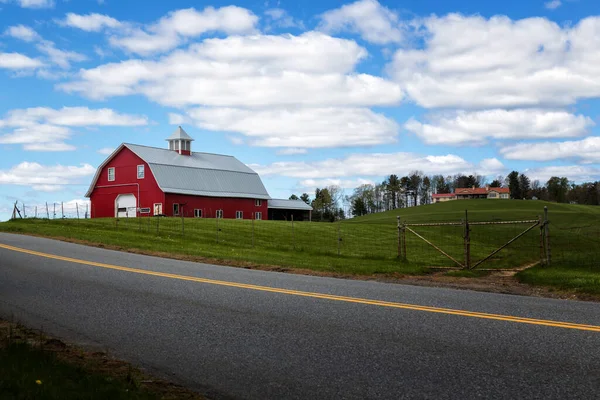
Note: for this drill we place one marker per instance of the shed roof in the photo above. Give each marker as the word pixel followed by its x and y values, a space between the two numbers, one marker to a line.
pixel 199 174
pixel 289 204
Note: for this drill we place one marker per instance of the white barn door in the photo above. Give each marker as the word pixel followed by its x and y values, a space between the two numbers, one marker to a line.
pixel 126 206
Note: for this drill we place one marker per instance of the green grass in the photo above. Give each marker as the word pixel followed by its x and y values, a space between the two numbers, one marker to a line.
pixel 21 365
pixel 362 246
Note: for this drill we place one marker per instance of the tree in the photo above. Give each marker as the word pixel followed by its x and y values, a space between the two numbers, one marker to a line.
pixel 525 186
pixel 415 181
pixel 425 193
pixel 294 197
pixel 392 185
pixel 496 183
pixel 557 189
pixel 359 207
pixel 305 198
pixel 514 185
pixel 439 184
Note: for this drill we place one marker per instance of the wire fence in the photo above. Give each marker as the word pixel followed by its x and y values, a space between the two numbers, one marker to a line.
pixel 494 244
pixel 52 210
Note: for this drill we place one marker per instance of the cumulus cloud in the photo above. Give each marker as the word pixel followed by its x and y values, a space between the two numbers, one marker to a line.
pixel 575 173
pixel 586 150
pixel 475 128
pixel 291 151
pixel 279 18
pixel 553 4
pixel 312 69
pixel 90 22
pixel 59 57
pixel 22 32
pixel 17 61
pixel 45 177
pixel 106 151
pixel 301 127
pixel 171 30
pixel 31 3
pixel 372 21
pixel 47 129
pixel 473 62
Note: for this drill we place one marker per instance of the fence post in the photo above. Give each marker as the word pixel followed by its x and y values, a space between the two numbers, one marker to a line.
pixel 77 207
pixel 62 208
pixel 217 227
pixel 157 224
pixel 399 237
pixel 467 238
pixel 339 238
pixel 36 211
pixel 547 236
pixel 182 225
pixel 86 211
pixel 24 211
pixel 293 234
pixel 252 232
pixel 542 258
pixel 47 211
pixel 53 210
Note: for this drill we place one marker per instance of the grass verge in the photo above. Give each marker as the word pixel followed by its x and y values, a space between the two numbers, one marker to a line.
pixel 34 366
pixel 576 279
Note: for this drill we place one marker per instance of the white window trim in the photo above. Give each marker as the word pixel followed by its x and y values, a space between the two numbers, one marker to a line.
pixel 197 213
pixel 258 216
pixel 178 209
pixel 143 171
pixel 113 174
pixel 239 215
pixel 258 202
pixel 219 214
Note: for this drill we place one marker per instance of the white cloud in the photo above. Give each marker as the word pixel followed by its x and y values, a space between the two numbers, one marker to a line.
pixel 46 129
pixel 475 128
pixel 309 185
pixel 473 62
pixel 291 151
pixel 367 165
pixel 586 150
pixel 45 177
pixel 106 151
pixel 18 61
pixel 372 21
pixel 31 3
pixel 22 32
pixel 178 119
pixel 175 27
pixel 90 22
pixel 575 173
pixel 280 18
pixel 553 4
pixel 59 57
pixel 301 127
pixel 312 69
pixel 490 166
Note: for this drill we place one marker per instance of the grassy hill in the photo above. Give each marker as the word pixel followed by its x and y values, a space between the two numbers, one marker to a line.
pixel 366 245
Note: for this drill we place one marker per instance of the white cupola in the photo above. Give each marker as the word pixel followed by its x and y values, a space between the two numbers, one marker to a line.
pixel 180 142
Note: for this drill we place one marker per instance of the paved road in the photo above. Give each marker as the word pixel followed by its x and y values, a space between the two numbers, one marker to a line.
pixel 291 337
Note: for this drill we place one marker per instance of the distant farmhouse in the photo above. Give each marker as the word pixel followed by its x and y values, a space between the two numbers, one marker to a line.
pixel 139 181
pixel 473 193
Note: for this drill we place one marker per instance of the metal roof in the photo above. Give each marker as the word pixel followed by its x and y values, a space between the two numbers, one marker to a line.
pixel 179 134
pixel 289 204
pixel 201 174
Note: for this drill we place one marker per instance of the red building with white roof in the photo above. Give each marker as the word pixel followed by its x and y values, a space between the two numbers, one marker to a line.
pixel 137 181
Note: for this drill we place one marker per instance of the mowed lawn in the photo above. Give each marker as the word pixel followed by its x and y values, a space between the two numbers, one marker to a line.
pixel 366 245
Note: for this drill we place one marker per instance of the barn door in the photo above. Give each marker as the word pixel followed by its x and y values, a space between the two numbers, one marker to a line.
pixel 126 206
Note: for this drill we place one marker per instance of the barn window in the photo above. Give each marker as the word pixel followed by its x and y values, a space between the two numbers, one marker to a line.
pixel 258 215
pixel 258 202
pixel 111 174
pixel 239 215
pixel 140 171
pixel 175 209
pixel 197 213
pixel 219 213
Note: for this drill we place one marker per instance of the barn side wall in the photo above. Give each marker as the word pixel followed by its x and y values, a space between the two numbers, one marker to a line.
pixel 125 163
pixel 210 205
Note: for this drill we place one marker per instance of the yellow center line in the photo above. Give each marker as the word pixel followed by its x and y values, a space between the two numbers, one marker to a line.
pixel 449 311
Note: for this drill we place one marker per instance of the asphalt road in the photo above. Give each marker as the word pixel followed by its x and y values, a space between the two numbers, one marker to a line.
pixel 291 338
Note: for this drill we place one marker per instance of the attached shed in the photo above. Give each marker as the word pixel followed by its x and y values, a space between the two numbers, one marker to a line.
pixel 285 210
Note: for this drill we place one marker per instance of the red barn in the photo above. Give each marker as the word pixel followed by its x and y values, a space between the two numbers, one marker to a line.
pixel 144 181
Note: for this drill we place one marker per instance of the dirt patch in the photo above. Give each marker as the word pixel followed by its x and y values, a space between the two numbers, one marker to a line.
pixel 500 281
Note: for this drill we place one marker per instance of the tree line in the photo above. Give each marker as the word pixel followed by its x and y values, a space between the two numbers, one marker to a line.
pixel 331 203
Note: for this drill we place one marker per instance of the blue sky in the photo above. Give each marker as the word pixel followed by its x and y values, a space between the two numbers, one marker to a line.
pixel 307 93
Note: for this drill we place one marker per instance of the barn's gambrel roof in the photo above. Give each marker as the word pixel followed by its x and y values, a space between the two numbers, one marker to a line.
pixel 199 174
